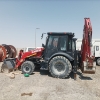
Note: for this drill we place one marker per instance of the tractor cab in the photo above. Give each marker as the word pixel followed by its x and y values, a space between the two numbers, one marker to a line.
pixel 59 43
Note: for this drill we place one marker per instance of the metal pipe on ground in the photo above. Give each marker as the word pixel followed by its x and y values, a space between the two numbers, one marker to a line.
pixel 11 51
pixel 7 51
pixel 2 53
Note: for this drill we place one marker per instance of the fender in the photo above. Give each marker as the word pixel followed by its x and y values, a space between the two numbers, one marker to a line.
pixel 61 54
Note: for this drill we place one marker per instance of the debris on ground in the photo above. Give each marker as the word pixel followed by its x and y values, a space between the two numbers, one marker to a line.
pixel 23 94
pixel 12 75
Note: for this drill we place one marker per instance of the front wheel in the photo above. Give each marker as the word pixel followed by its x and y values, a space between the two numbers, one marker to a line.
pixel 27 67
pixel 60 67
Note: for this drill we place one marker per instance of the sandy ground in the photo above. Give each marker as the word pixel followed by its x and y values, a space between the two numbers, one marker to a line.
pixel 44 87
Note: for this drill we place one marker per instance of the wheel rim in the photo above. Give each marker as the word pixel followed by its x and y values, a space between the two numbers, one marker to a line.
pixel 27 69
pixel 59 68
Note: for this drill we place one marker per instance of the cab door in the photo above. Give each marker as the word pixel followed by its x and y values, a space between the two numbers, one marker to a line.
pixel 69 46
pixel 52 46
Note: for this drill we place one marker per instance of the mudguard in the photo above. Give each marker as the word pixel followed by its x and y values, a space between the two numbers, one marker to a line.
pixel 62 54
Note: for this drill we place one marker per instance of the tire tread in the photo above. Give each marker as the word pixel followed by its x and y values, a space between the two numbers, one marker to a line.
pixel 66 60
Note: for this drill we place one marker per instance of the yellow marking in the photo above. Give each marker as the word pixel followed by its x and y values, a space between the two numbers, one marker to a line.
pixel 32 54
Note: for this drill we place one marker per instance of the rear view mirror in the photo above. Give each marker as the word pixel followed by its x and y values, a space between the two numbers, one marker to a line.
pixel 42 35
pixel 43 45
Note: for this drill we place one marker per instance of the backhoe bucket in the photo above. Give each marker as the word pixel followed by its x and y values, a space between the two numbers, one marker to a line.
pixel 88 68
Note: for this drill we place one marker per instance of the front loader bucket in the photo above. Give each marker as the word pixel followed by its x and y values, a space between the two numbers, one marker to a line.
pixel 8 65
pixel 87 68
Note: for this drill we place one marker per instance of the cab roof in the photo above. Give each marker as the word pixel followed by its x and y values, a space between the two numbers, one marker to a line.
pixel 60 33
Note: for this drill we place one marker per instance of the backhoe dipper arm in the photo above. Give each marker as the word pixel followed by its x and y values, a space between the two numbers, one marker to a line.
pixel 87 37
pixel 87 59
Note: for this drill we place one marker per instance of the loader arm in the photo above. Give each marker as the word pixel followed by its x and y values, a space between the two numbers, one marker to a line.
pixel 36 53
pixel 87 59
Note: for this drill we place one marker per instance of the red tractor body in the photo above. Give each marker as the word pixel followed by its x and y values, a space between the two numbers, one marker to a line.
pixel 36 53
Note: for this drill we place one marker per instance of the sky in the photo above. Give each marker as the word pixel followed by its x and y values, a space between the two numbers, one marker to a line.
pixel 20 18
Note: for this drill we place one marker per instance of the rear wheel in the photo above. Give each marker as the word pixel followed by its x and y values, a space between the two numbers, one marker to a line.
pixel 60 67
pixel 98 61
pixel 27 67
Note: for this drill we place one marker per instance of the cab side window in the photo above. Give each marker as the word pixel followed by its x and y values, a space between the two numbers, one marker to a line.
pixel 63 44
pixel 70 44
pixel 53 42
pixel 50 41
pixel 73 45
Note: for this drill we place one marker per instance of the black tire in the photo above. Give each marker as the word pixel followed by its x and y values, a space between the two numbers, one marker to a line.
pixel 98 61
pixel 27 67
pixel 60 67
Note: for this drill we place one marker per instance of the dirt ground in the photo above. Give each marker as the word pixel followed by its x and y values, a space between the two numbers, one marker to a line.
pixel 44 87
